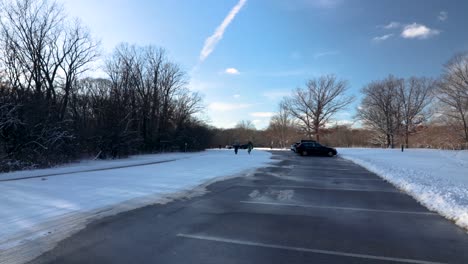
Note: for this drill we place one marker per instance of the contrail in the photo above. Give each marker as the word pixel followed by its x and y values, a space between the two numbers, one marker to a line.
pixel 210 42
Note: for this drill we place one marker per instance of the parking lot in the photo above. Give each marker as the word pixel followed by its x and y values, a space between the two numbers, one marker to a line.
pixel 300 210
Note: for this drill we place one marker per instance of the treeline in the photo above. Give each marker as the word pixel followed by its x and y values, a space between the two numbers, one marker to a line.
pixel 413 112
pixel 276 137
pixel 395 107
pixel 433 134
pixel 431 112
pixel 49 114
pixel 144 106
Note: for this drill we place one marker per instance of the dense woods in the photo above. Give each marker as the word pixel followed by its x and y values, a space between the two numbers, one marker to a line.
pixel 50 114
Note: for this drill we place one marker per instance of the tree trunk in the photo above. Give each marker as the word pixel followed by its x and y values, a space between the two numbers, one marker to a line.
pixel 317 132
pixel 406 136
pixel 465 129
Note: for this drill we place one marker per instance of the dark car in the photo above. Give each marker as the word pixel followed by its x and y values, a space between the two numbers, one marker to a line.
pixel 314 148
pixel 293 146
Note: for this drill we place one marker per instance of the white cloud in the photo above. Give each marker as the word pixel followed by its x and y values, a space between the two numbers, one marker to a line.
pixel 262 114
pixel 233 71
pixel 237 96
pixel 223 107
pixel 316 4
pixel 224 123
pixel 201 86
pixel 287 73
pixel 326 3
pixel 261 123
pixel 418 31
pixel 382 38
pixel 275 95
pixel 256 121
pixel 210 42
pixel 443 15
pixel 392 25
pixel 326 53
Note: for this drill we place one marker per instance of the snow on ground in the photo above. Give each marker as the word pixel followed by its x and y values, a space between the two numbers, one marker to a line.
pixel 275 149
pixel 438 179
pixel 52 207
pixel 86 165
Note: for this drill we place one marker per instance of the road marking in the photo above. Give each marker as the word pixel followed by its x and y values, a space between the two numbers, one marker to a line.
pixel 333 178
pixel 339 208
pixel 319 188
pixel 301 249
pixel 323 168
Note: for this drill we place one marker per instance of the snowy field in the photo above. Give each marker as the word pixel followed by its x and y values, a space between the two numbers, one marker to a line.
pixel 438 179
pixel 37 212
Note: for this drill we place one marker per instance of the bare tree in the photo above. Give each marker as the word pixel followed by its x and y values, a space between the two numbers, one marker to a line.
pixel 78 51
pixel 380 108
pixel 244 131
pixel 314 105
pixel 415 94
pixel 186 105
pixel 48 113
pixel 41 52
pixel 282 126
pixel 29 30
pixel 245 124
pixel 151 89
pixel 453 92
pixel 42 56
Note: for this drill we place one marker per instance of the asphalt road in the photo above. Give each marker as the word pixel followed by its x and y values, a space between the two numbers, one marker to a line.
pixel 303 210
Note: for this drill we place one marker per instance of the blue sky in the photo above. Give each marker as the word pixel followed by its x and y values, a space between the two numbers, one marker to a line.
pixel 266 48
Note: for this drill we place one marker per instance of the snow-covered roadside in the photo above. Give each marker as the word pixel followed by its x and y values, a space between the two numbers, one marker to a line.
pixel 35 213
pixel 438 179
pixel 87 165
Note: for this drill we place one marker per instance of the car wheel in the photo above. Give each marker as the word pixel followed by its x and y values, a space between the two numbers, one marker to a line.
pixel 304 153
pixel 330 154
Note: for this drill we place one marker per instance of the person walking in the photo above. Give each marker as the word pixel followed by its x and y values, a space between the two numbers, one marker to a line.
pixel 236 147
pixel 249 147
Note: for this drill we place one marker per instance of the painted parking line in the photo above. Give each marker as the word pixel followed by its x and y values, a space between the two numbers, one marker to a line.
pixel 324 168
pixel 336 178
pixel 340 208
pixel 301 249
pixel 319 188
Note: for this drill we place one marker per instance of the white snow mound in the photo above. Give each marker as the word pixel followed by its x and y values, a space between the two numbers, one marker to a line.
pixel 438 179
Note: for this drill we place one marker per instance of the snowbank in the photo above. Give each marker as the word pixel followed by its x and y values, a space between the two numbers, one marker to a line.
pixel 53 207
pixel 438 179
pixel 87 165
